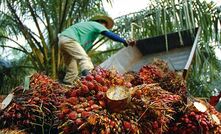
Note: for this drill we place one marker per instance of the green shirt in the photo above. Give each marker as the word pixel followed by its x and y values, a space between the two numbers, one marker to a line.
pixel 85 33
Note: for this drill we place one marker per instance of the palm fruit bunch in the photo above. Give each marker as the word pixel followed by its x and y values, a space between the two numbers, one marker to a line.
pixel 199 117
pixel 174 83
pixel 150 74
pixel 154 72
pixel 154 107
pixel 34 109
pixel 133 78
pixel 158 72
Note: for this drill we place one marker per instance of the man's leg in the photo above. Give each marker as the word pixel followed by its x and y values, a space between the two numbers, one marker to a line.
pixel 76 51
pixel 70 62
pixel 82 57
pixel 71 69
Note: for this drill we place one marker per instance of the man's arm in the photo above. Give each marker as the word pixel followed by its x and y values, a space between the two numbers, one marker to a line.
pixel 114 37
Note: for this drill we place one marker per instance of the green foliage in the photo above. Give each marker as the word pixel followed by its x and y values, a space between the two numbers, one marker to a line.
pixel 13 75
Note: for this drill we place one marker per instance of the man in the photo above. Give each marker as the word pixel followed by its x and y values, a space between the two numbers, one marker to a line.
pixel 78 38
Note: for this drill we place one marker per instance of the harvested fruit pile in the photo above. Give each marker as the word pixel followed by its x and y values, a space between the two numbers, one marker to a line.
pixel 34 109
pixel 152 100
pixel 198 118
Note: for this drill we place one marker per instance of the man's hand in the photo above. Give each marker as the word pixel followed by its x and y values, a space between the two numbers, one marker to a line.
pixel 131 42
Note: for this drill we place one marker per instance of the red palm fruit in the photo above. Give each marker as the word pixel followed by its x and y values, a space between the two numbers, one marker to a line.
pixel 91 102
pixel 79 92
pixel 100 95
pixel 73 100
pixel 119 81
pixel 44 91
pixel 187 120
pixel 75 107
pixel 128 84
pixel 127 125
pixel 61 116
pixel 93 132
pixel 197 117
pixel 89 98
pixel 63 105
pixel 88 108
pixel 112 124
pixel 84 82
pixel 99 88
pixel 174 128
pixel 79 110
pixel 107 83
pixel 94 106
pixel 203 123
pixel 84 104
pixel 90 85
pixel 85 114
pixel 138 93
pixel 73 93
pixel 99 79
pixel 104 88
pixel 82 99
pixel 72 115
pixel 189 125
pixel 66 129
pixel 26 122
pixel 102 103
pixel 155 125
pixel 96 86
pixel 85 132
pixel 193 127
pixel 89 77
pixel 79 121
pixel 66 110
pixel 84 89
pixel 18 115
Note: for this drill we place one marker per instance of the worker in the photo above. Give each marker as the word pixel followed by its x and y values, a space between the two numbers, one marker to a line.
pixel 78 38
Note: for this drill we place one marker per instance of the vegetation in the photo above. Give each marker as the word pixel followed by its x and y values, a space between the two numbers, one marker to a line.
pixel 13 74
